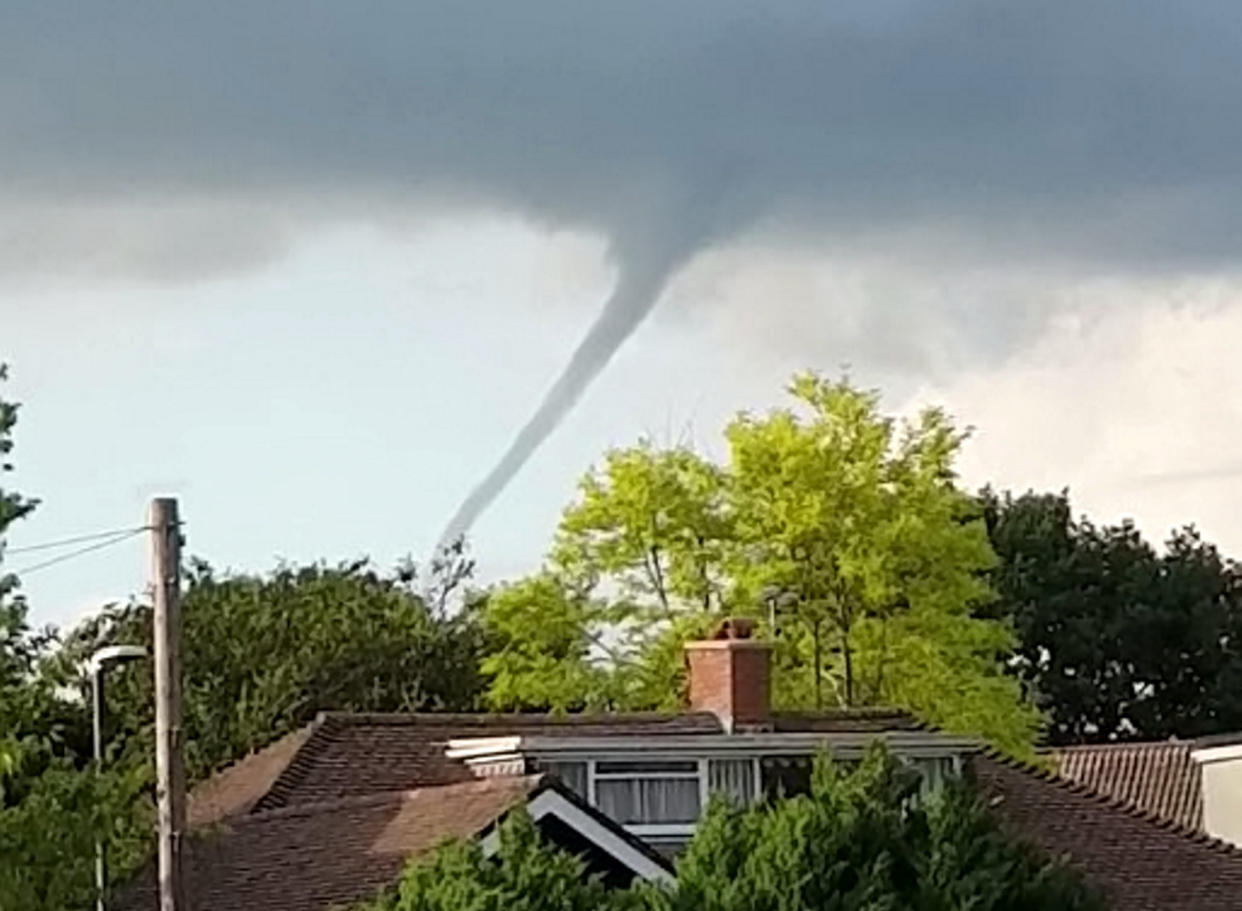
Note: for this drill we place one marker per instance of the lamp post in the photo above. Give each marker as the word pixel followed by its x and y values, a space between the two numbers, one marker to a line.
pixel 111 654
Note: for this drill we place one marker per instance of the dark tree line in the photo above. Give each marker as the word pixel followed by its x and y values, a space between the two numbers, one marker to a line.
pixel 1118 641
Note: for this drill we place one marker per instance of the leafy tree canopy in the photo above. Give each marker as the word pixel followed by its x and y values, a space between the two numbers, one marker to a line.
pixel 52 808
pixel 841 527
pixel 264 654
pixel 1117 640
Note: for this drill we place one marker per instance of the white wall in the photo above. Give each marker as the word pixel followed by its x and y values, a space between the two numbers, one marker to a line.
pixel 1221 768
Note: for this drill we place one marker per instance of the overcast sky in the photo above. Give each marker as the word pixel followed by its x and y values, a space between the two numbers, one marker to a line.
pixel 309 265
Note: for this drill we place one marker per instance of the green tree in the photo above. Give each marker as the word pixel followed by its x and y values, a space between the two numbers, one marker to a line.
pixel 538 652
pixel 841 527
pixel 653 522
pixel 526 874
pixel 54 806
pixel 863 841
pixel 263 654
pixel 19 649
pixel 1118 641
pixel 861 534
pixel 47 839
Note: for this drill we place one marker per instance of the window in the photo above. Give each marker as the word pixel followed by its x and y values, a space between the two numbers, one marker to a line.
pixel 658 792
pixel 572 774
pixel 734 778
pixel 786 776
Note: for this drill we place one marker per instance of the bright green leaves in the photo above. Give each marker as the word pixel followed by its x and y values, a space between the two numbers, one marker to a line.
pixel 539 646
pixel 839 522
pixel 654 523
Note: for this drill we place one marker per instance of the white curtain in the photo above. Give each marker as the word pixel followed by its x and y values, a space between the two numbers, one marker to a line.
pixel 735 778
pixel 572 774
pixel 649 800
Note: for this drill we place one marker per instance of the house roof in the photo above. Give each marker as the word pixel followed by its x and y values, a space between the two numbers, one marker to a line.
pixel 353 754
pixel 235 790
pixel 387 780
pixel 1160 778
pixel 326 853
pixel 1142 861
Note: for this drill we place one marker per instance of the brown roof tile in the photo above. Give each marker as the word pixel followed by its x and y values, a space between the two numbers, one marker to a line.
pixel 345 754
pixel 319 855
pixel 1160 778
pixel 354 754
pixel 236 789
pixel 1141 861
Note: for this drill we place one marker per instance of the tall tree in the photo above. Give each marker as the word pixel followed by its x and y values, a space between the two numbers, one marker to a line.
pixel 263 654
pixel 1118 641
pixel 855 523
pixel 53 805
pixel 18 648
pixel 838 523
pixel 29 711
pixel 655 523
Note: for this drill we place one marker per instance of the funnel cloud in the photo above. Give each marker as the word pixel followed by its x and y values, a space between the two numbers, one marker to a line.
pixel 1096 136
pixel 637 291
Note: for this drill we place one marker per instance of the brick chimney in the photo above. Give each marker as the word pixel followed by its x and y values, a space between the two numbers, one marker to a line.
pixel 730 676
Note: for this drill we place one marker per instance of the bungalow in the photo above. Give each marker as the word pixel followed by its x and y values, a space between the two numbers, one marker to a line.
pixel 333 812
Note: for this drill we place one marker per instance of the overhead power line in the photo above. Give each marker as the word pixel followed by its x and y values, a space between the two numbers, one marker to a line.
pixel 117 538
pixel 80 539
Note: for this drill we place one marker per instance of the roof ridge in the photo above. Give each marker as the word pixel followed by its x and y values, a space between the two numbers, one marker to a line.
pixel 397 718
pixel 378 798
pixel 859 711
pixel 297 767
pixel 1108 800
pixel 1121 745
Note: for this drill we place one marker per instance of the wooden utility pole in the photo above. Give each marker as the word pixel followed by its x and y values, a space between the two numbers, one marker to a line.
pixel 169 772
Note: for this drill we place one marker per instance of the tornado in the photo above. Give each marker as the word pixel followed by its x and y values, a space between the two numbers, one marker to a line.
pixel 640 282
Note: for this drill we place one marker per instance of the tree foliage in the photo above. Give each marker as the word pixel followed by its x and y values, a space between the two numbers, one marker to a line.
pixel 47 839
pixel 526 874
pixel 538 647
pixel 655 523
pixel 854 527
pixel 263 655
pixel 54 806
pixel 862 840
pixel 19 647
pixel 841 527
pixel 1118 641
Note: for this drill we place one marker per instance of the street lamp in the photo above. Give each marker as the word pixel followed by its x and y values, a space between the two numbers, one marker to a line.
pixel 110 654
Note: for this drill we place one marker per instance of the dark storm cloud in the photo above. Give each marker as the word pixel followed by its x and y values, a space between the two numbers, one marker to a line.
pixel 1099 130
pixel 1105 132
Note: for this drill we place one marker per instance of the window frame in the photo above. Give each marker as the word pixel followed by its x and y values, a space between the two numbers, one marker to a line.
pixel 700 773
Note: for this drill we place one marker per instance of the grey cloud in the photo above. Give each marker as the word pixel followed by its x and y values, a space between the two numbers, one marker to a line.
pixel 179 242
pixel 1103 132
pixel 1099 131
